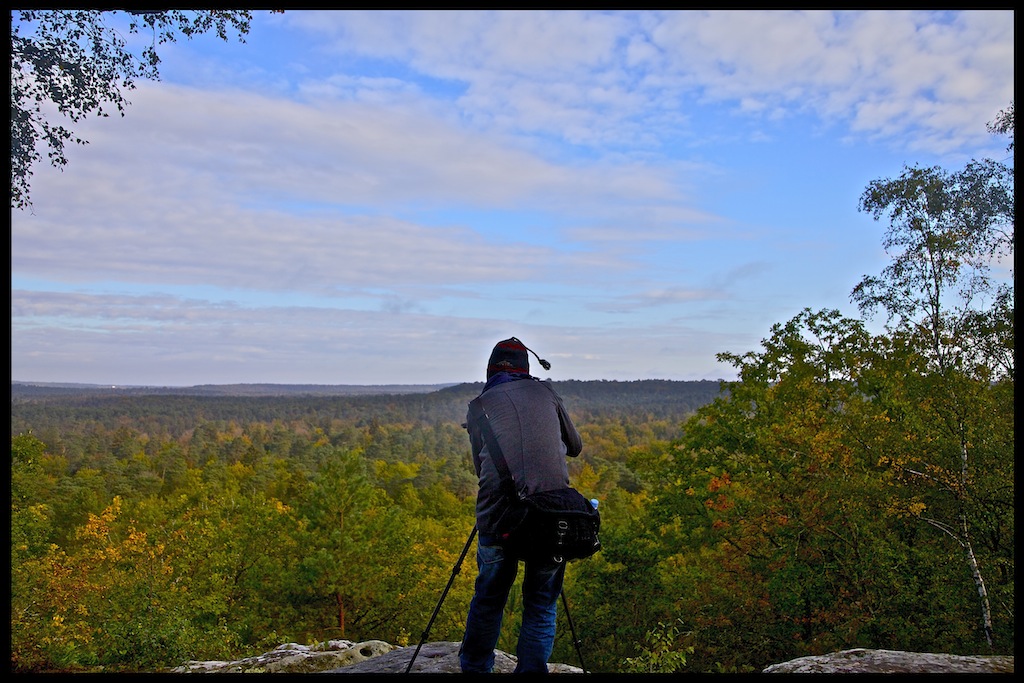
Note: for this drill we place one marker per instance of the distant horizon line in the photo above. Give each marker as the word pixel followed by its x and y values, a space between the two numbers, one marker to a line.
pixel 312 384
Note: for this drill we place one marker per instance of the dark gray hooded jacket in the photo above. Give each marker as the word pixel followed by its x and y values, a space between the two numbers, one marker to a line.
pixel 535 434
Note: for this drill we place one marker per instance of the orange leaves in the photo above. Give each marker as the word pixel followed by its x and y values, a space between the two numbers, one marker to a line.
pixel 718 482
pixel 719 503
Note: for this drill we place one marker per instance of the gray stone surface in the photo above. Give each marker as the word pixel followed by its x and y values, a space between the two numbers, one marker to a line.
pixel 379 657
pixel 295 658
pixel 893 662
pixel 435 658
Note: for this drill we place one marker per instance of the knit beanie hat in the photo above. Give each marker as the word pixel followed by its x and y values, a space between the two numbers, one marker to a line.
pixel 510 356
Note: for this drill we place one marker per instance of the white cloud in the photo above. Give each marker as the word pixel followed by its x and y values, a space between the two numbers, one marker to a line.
pixel 236 189
pixel 367 182
pixel 118 340
pixel 574 74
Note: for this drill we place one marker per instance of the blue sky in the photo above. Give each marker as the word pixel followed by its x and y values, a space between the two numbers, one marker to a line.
pixel 377 197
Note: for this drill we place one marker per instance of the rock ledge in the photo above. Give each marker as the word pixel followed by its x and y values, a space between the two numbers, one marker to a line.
pixel 858 661
pixel 379 657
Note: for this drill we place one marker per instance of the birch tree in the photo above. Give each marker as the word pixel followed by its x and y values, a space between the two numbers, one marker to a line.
pixel 947 230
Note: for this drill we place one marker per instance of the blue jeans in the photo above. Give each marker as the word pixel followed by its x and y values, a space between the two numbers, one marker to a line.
pixel 496 572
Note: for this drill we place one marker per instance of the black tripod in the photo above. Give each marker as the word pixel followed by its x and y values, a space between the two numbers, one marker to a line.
pixel 455 571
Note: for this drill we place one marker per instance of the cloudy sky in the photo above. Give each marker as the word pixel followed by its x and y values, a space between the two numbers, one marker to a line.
pixel 377 197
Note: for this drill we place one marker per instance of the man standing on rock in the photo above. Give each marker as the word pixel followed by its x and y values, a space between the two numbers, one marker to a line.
pixel 535 435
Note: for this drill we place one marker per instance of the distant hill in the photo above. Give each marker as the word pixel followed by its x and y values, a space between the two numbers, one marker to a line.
pixel 40 389
pixel 39 407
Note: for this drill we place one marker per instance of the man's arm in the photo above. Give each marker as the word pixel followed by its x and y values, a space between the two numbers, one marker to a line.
pixel 571 437
pixel 476 439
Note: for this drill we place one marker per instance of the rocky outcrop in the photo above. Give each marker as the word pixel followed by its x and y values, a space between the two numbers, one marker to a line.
pixel 378 657
pixel 437 658
pixel 346 657
pixel 861 661
pixel 295 658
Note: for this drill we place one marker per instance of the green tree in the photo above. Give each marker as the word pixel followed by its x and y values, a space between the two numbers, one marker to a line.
pixel 232 552
pixel 27 453
pixel 79 62
pixel 790 527
pixel 662 652
pixel 347 538
pixel 768 484
pixel 1003 125
pixel 948 441
pixel 616 595
pixel 31 512
pixel 945 231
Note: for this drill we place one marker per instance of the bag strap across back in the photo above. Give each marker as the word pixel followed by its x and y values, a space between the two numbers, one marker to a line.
pixel 484 422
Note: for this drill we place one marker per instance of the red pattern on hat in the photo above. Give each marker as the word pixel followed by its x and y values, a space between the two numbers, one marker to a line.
pixel 508 355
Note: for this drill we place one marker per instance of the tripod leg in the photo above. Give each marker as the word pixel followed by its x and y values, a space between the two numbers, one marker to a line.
pixel 437 608
pixel 572 629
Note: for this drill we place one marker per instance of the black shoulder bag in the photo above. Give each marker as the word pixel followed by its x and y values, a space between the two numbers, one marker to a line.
pixel 558 525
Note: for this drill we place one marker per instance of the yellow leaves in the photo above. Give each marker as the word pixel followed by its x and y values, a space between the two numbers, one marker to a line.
pixel 902 509
pixel 98 526
pixel 136 538
pixel 395 471
pixel 239 471
pixel 587 479
pixel 403 638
